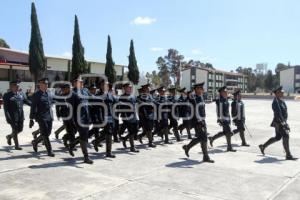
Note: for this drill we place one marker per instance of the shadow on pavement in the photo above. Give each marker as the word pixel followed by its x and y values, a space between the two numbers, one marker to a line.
pixel 186 163
pixel 266 160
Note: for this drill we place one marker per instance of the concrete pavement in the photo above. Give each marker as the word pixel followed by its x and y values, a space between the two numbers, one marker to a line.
pixel 163 172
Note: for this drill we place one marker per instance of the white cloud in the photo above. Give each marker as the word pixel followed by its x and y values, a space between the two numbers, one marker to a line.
pixel 197 52
pixel 156 49
pixel 143 21
pixel 67 54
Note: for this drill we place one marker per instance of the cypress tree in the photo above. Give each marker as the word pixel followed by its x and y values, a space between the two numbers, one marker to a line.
pixel 133 70
pixel 37 61
pixel 110 71
pixel 79 65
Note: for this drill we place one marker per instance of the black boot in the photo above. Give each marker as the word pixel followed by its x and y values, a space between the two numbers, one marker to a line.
pixel 242 136
pixel 189 133
pixel 206 157
pixel 166 134
pixel 229 146
pixel 8 138
pixel 35 143
pixel 177 136
pixel 16 141
pixel 108 140
pixel 189 146
pixel 83 145
pixel 131 141
pixel 286 146
pixel 262 147
pixel 48 146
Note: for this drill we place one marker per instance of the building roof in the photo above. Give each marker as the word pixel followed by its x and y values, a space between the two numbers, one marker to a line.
pixel 215 70
pixel 14 57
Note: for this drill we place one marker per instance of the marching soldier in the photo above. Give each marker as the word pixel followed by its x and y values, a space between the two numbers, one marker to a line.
pixel 238 116
pixel 106 117
pixel 223 118
pixel 41 112
pixel 130 120
pixel 81 117
pixel 146 113
pixel 64 111
pixel 163 112
pixel 14 114
pixel 198 120
pixel 173 120
pixel 280 124
pixel 184 112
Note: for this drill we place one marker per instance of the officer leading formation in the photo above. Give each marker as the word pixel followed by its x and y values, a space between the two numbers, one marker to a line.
pixel 99 115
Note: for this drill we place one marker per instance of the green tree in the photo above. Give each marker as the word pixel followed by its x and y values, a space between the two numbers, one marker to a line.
pixel 110 71
pixel 153 78
pixel 3 43
pixel 133 70
pixel 79 65
pixel 174 61
pixel 37 61
pixel 164 71
pixel 269 81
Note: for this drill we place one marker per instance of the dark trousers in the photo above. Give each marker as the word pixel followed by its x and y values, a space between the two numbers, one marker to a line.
pixel 240 128
pixel 45 127
pixel 17 127
pixel 227 132
pixel 201 137
pixel 132 132
pixel 280 133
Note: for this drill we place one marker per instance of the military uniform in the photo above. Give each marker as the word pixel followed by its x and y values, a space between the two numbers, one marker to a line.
pixel 173 121
pixel 81 118
pixel 41 112
pixel 14 114
pixel 238 116
pixel 199 125
pixel 184 112
pixel 163 116
pixel 107 118
pixel 224 120
pixel 280 124
pixel 146 115
pixel 130 119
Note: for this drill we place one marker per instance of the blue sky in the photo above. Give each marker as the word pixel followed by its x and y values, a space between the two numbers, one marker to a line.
pixel 226 33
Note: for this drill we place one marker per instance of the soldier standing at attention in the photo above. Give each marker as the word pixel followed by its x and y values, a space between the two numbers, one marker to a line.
pixel 198 120
pixel 41 112
pixel 279 122
pixel 238 116
pixel 223 118
pixel 14 114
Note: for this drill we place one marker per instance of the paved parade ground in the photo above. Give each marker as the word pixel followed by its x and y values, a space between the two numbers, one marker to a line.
pixel 160 173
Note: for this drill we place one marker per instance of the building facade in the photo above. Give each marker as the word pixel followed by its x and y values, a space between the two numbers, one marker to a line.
pixel 214 79
pixel 290 79
pixel 14 66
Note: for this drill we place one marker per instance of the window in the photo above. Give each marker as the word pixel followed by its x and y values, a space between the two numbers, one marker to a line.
pixel 297 84
pixel 193 77
pixel 4 75
pixel 298 76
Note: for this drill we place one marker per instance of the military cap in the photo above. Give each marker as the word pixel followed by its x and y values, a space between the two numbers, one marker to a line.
pixel 237 92
pixel 198 85
pixel 126 84
pixel 152 91
pixel 145 85
pixel 280 88
pixel 14 83
pixel 44 80
pixel 172 89
pixel 161 88
pixel 63 86
pixel 181 90
pixel 79 78
pixel 224 88
pixel 140 90
pixel 92 86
